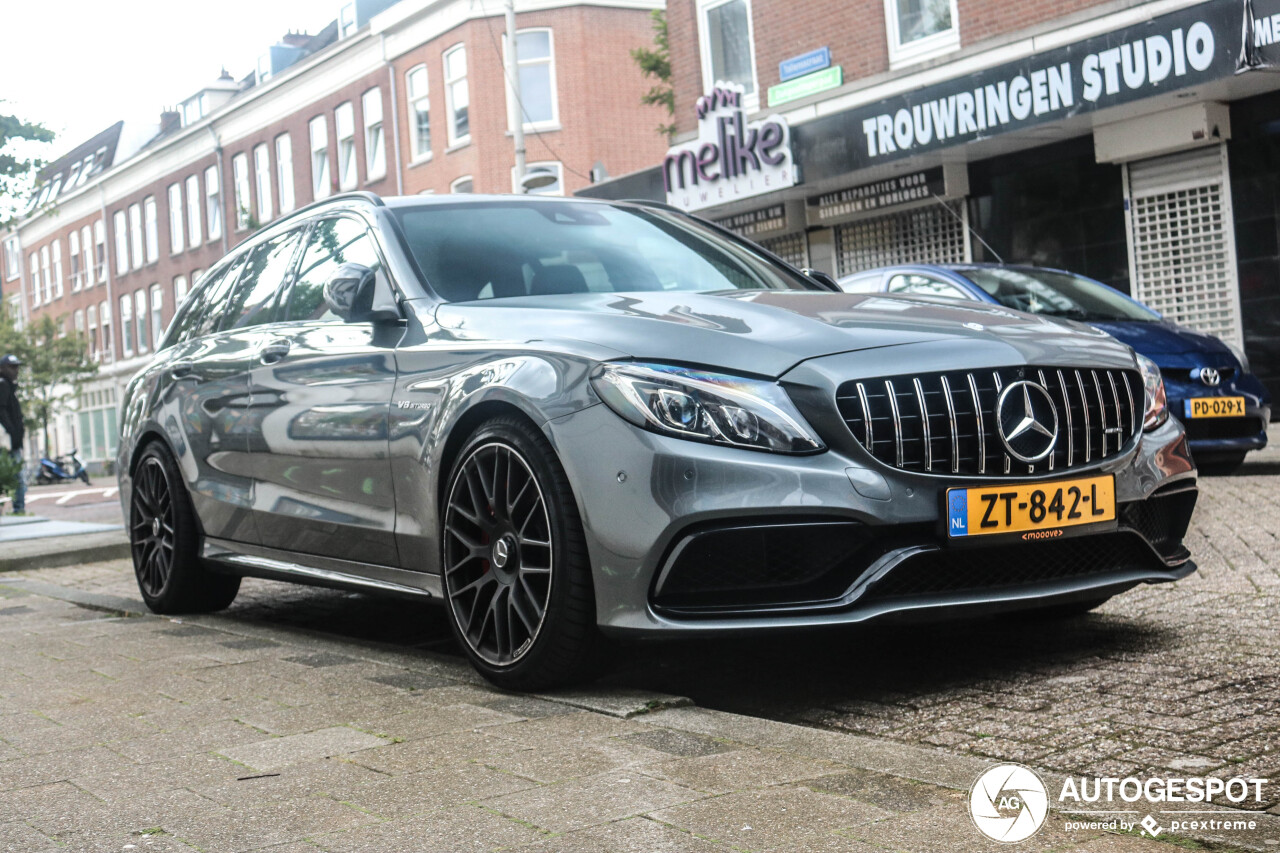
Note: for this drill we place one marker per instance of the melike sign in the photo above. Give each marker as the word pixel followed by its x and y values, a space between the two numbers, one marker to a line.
pixel 731 158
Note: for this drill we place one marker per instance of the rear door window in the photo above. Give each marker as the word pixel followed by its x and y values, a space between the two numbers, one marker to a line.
pixel 330 244
pixel 266 271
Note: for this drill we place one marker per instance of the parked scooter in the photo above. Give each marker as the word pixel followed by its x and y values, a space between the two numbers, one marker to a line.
pixel 62 468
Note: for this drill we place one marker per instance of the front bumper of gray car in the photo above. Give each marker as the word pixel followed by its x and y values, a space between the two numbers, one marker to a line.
pixel 693 539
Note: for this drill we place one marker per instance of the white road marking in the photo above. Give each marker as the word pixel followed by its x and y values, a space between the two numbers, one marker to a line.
pixel 63 497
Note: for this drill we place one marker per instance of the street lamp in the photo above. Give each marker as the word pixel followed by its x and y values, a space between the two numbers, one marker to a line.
pixel 536 179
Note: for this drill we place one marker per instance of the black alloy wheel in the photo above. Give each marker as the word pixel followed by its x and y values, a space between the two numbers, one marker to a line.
pixel 151 526
pixel 516 576
pixel 164 537
pixel 498 553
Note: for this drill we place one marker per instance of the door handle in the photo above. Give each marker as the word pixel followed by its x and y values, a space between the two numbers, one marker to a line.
pixel 182 369
pixel 273 351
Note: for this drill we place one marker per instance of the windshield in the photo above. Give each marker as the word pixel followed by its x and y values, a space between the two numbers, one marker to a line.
pixel 1057 294
pixel 491 250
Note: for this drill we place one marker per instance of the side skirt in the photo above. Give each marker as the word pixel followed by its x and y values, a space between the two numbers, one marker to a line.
pixel 256 561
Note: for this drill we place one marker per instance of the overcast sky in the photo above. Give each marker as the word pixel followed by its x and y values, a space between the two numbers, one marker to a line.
pixel 78 66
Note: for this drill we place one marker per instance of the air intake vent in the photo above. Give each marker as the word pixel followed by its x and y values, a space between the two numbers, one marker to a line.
pixel 948 423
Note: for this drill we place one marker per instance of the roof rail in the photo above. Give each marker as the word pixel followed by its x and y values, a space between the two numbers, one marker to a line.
pixel 363 195
pixel 648 202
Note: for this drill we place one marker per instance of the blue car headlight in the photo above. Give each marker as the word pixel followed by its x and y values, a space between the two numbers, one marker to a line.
pixel 1238 352
pixel 1157 405
pixel 701 406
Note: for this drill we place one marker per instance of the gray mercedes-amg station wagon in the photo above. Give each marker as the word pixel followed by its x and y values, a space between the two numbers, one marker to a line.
pixel 568 420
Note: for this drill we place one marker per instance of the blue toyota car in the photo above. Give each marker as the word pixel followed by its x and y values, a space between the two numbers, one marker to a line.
pixel 1224 407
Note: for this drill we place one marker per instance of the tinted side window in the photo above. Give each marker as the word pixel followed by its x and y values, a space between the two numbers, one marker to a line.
pixel 212 300
pixel 251 301
pixel 180 330
pixel 331 243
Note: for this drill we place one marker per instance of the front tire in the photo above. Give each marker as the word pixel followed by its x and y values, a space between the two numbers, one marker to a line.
pixel 84 475
pixel 517 580
pixel 165 542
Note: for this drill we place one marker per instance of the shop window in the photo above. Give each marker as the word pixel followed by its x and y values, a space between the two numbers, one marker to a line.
pixel 920 29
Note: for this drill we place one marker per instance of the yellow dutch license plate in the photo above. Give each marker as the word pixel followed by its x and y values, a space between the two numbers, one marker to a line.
pixel 1214 407
pixel 1036 510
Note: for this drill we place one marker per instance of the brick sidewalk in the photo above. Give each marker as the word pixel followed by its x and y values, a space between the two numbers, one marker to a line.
pixel 126 732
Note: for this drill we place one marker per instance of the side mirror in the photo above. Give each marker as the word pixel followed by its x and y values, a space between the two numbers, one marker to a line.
pixel 358 294
pixel 822 278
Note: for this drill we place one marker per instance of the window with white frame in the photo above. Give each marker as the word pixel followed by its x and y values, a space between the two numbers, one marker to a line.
pixel 213 201
pixel 462 185
pixel 46 267
pixel 135 235
pixel 344 123
pixel 11 259
pixel 77 322
pixel 152 217
pixel 56 248
pixel 920 29
pixel 284 171
pixel 122 242
pixel 180 290
pixel 140 317
pixel 157 314
pixel 86 262
pixel 375 142
pixel 320 180
pixel 177 231
pixel 535 65
pixel 92 314
pixel 108 341
pixel 240 189
pixel 73 246
pixel 126 325
pixel 544 170
pixel 262 181
pixel 34 264
pixel 419 111
pixel 100 249
pixel 728 49
pixel 456 95
pixel 193 210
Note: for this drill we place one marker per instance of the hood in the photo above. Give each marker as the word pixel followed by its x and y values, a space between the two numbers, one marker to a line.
pixel 761 332
pixel 1164 338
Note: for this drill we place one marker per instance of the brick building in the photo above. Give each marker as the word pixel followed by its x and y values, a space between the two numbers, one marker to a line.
pixel 393 97
pixel 1135 142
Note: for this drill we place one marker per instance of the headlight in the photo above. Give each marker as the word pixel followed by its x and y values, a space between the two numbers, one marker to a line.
pixel 1157 407
pixel 1238 352
pixel 701 406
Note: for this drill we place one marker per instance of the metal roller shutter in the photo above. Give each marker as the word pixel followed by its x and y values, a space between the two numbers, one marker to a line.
pixel 1182 254
pixel 792 248
pixel 926 235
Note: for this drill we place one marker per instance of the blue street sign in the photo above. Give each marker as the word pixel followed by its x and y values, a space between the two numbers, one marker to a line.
pixel 798 66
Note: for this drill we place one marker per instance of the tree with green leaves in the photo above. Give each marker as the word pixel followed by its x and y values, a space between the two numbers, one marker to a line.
pixel 656 63
pixel 55 365
pixel 18 167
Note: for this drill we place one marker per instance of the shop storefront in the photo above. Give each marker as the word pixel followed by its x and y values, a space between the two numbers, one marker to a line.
pixel 1110 155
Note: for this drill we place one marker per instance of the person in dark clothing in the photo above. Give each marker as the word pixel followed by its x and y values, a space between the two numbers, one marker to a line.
pixel 11 420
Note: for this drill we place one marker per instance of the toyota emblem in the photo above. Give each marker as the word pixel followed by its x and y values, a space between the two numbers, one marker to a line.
pixel 1027 420
pixel 1210 376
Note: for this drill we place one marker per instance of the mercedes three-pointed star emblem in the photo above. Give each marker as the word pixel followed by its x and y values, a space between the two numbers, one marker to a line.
pixel 1028 421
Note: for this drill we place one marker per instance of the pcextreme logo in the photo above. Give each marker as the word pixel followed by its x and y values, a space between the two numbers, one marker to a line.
pixel 1008 803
